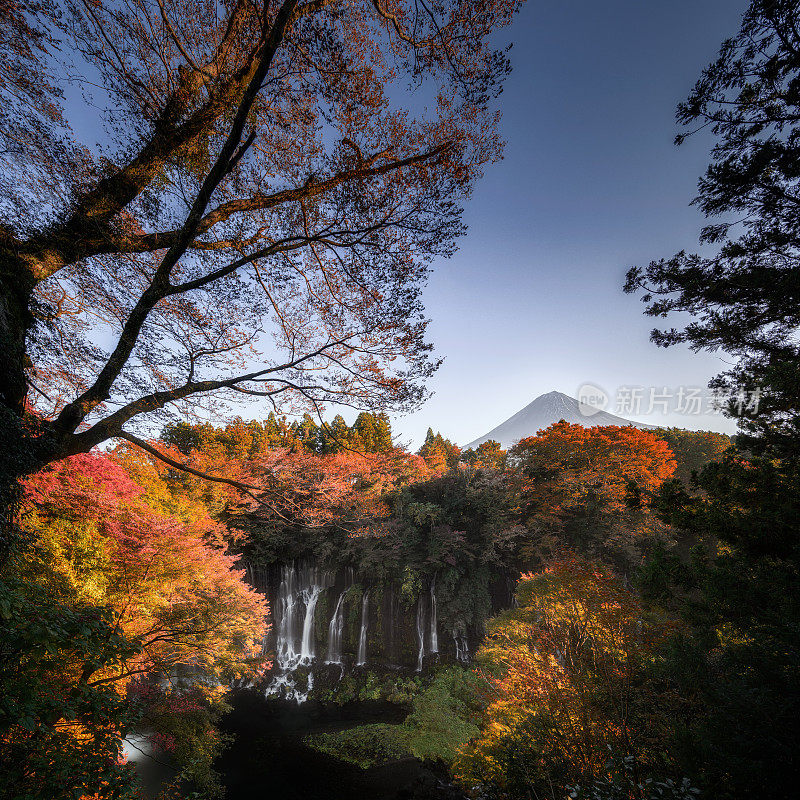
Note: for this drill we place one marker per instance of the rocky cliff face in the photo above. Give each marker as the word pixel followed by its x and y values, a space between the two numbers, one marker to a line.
pixel 542 413
pixel 328 621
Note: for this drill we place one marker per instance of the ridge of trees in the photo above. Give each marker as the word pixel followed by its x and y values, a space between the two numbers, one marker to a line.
pixel 369 433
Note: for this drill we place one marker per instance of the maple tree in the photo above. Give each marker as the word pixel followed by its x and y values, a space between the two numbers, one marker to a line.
pixel 589 489
pixel 289 488
pixel 173 589
pixel 124 590
pixel 606 463
pixel 259 220
pixel 59 737
pixel 569 681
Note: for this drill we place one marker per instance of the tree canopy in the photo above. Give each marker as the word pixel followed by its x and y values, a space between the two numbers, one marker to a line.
pixel 259 218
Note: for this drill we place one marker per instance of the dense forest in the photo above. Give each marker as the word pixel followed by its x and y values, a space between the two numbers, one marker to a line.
pixel 296 603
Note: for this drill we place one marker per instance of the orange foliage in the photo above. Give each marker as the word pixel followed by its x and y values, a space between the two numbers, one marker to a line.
pixel 105 539
pixel 566 465
pixel 569 680
pixel 347 489
pixel 291 486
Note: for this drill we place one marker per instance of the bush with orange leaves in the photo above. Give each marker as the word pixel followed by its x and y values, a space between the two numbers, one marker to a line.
pixel 571 680
pixel 285 488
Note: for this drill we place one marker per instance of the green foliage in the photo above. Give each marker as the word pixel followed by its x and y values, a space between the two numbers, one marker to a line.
pixel 488 455
pixel 458 527
pixel 182 722
pixel 693 449
pixel 443 719
pixel 744 297
pixel 366 745
pixel 662 574
pixel 737 670
pixel 60 737
pixel 240 439
pixel 624 781
pixel 445 716
pixel 366 685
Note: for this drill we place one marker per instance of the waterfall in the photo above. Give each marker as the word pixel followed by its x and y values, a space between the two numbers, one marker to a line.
pixel 434 619
pixel 362 637
pixel 335 632
pixel 462 646
pixel 287 600
pixel 298 593
pixel 307 645
pixel 420 633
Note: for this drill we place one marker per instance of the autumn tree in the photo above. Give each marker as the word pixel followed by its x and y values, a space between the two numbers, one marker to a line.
pixel 109 589
pixel 100 538
pixel 587 489
pixel 260 216
pixel 571 681
pixel 59 737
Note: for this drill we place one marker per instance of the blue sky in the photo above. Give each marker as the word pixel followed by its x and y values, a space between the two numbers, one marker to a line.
pixel 591 184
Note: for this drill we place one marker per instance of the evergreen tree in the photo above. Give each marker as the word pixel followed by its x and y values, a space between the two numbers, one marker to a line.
pixel 337 437
pixel 440 454
pixel 738 669
pixel 364 426
pixel 183 436
pixel 272 431
pixel 745 299
pixel 383 433
pixel 308 434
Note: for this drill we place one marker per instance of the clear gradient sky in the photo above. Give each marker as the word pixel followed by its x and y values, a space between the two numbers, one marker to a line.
pixel 591 184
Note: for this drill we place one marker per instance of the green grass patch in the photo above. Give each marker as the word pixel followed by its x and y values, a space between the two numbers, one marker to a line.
pixel 366 746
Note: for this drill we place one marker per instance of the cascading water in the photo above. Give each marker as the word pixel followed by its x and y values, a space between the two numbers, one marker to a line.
pixel 462 646
pixel 298 593
pixel 362 636
pixel 335 630
pixel 287 599
pixel 434 619
pixel 401 637
pixel 307 644
pixel 420 633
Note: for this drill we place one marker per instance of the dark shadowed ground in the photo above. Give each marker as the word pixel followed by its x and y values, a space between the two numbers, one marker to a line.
pixel 268 758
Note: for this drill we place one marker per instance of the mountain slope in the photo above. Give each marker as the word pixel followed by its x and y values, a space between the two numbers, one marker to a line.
pixel 543 412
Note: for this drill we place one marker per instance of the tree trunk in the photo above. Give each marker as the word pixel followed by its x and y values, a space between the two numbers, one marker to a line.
pixel 17 453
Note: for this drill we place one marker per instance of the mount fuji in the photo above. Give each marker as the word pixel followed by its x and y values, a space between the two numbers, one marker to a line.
pixel 543 412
